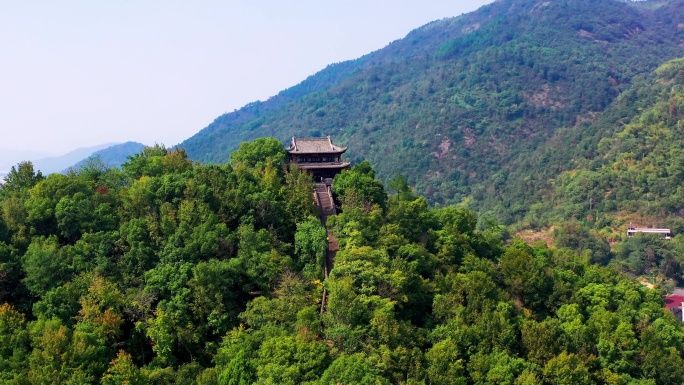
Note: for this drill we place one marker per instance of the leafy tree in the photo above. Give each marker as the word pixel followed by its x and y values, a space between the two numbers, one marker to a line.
pixel 239 371
pixel 359 189
pixel 258 153
pixel 352 369
pixel 155 161
pixel 289 307
pixel 296 193
pixel 661 348
pixel 291 360
pixel 10 274
pixel 496 368
pixel 542 340
pixel 398 184
pixel 261 262
pixel 163 331
pixel 618 350
pixel 14 344
pixel 311 242
pixel 45 266
pixel 89 353
pixel 416 213
pixel 49 361
pixel 567 369
pixel 579 239
pixel 14 218
pixel 122 370
pixel 20 179
pixel 75 215
pixel 526 277
pixel 216 295
pixel 444 366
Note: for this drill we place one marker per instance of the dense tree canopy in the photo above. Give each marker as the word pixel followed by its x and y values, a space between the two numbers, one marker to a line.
pixel 170 272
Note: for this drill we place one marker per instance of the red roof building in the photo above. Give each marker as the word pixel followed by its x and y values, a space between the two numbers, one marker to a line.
pixel 674 304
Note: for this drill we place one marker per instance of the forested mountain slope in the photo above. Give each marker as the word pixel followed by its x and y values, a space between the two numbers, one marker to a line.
pixel 636 165
pixel 460 105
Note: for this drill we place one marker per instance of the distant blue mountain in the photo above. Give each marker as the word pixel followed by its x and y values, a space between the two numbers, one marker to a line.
pixel 112 156
pixel 58 163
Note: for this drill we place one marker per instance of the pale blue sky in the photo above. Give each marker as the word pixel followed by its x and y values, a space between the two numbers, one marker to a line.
pixel 81 73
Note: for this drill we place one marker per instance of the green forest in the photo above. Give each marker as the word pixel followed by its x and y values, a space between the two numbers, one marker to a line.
pixel 171 272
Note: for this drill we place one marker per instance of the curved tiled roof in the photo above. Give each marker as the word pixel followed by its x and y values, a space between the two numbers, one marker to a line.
pixel 314 146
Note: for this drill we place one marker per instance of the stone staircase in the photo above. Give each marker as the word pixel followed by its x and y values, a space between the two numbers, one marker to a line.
pixel 326 205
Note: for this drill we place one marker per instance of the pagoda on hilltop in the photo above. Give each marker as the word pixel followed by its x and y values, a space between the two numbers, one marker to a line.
pixel 318 156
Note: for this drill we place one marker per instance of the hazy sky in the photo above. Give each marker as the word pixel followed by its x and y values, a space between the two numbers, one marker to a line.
pixel 82 73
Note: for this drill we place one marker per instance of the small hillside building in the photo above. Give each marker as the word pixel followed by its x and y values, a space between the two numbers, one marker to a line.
pixel 631 231
pixel 319 156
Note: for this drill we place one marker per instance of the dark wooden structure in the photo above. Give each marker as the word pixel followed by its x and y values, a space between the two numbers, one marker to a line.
pixel 318 156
